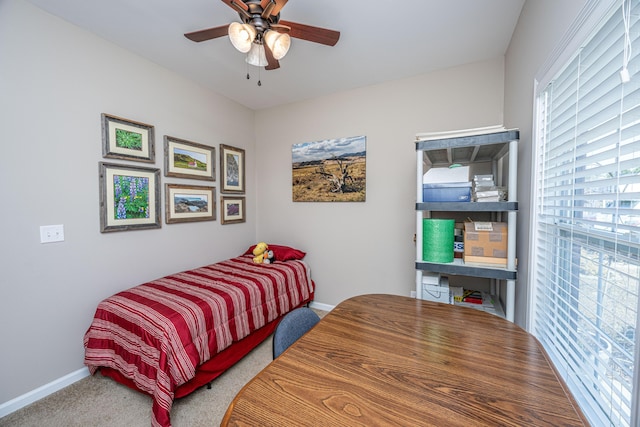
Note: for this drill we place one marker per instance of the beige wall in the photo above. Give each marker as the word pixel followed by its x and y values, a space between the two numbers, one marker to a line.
pixel 541 25
pixel 357 248
pixel 55 81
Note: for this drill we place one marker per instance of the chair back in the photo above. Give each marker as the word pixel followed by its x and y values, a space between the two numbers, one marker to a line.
pixel 292 326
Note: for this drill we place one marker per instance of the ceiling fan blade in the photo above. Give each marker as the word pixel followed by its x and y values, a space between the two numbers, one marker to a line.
pixel 238 3
pixel 272 63
pixel 239 6
pixel 312 34
pixel 266 10
pixel 279 4
pixel 208 34
pixel 280 28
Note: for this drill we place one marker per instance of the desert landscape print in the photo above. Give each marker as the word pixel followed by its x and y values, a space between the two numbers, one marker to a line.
pixel 332 170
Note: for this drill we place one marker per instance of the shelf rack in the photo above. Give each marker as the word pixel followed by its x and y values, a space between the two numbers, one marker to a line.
pixel 469 149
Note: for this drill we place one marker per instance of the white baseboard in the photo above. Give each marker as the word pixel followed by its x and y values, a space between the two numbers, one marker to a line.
pixel 320 306
pixel 43 391
pixel 47 389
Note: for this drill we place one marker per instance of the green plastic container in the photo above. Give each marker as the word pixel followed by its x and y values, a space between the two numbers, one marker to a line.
pixel 437 240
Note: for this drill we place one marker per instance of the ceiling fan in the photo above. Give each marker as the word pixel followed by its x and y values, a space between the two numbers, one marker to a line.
pixel 262 35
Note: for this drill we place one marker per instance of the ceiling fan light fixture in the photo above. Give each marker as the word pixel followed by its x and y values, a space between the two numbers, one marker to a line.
pixel 279 43
pixel 256 56
pixel 242 36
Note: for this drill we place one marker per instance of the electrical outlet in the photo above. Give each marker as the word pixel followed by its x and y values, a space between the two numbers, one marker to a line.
pixel 51 233
pixel 413 294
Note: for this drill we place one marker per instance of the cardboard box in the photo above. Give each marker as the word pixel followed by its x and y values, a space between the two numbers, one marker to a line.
pixel 484 261
pixel 485 239
pixel 430 278
pixel 437 293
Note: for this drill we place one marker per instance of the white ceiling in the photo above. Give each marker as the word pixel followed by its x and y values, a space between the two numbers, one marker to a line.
pixel 380 41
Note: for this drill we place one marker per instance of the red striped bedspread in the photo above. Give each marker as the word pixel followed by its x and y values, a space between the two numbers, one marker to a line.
pixel 157 333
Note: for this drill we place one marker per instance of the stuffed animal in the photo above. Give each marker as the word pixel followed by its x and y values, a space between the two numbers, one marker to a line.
pixel 259 252
pixel 269 258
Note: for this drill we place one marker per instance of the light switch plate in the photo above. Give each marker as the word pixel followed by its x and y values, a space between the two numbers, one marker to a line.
pixel 51 233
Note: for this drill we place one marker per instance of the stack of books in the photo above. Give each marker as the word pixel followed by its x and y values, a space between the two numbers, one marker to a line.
pixel 482 301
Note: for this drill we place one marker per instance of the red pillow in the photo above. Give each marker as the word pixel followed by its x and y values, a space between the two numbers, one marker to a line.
pixel 281 253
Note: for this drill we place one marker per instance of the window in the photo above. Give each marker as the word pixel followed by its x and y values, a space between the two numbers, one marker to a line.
pixel 586 220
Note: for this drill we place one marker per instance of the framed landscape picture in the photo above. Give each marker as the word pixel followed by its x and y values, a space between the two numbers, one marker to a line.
pixel 126 139
pixel 186 159
pixel 231 169
pixel 189 203
pixel 129 197
pixel 331 170
pixel 233 210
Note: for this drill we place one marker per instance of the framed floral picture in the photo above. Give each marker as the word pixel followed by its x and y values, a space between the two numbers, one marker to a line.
pixel 231 169
pixel 129 197
pixel 233 210
pixel 186 159
pixel 126 139
pixel 189 203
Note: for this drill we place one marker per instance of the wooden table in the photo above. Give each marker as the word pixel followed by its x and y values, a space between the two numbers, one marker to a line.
pixel 388 360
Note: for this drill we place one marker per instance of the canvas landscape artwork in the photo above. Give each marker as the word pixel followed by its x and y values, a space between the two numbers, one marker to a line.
pixel 331 170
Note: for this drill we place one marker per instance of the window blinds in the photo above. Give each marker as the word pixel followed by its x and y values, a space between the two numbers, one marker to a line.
pixel 586 276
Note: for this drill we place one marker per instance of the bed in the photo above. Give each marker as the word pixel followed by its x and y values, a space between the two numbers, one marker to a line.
pixel 172 335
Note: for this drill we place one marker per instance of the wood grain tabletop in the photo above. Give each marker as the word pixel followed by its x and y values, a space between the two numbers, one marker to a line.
pixel 384 360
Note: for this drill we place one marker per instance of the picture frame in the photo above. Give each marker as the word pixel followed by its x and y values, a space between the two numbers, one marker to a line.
pixel 129 197
pixel 186 159
pixel 189 203
pixel 232 210
pixel 231 169
pixel 127 139
pixel 330 170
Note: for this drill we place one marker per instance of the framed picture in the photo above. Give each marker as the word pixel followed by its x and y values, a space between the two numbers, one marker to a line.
pixel 189 203
pixel 126 139
pixel 331 170
pixel 185 159
pixel 129 197
pixel 232 210
pixel 231 169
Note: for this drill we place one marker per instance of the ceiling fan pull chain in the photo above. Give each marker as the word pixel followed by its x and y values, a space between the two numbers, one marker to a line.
pixel 247 65
pixel 259 81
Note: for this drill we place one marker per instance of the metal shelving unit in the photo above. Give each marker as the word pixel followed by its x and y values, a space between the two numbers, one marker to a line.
pixel 468 149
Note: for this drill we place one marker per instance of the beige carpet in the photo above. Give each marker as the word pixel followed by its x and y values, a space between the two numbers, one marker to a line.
pixel 100 402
